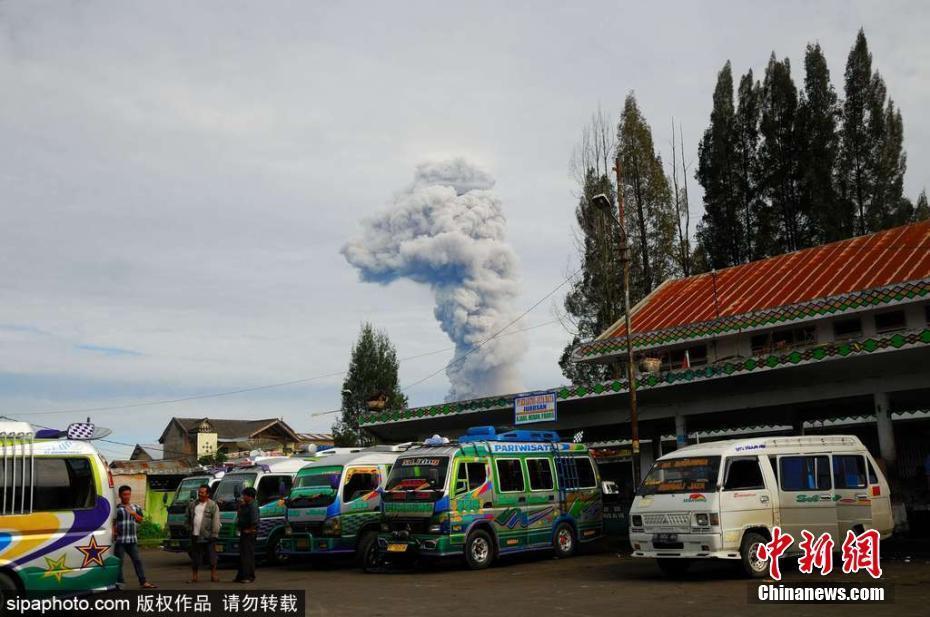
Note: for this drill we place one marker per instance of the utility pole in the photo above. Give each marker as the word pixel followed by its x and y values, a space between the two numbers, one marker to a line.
pixel 625 258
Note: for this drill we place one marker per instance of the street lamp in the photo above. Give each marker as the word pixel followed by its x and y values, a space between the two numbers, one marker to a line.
pixel 603 203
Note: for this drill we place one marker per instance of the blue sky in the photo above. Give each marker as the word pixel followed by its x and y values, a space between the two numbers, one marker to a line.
pixel 177 179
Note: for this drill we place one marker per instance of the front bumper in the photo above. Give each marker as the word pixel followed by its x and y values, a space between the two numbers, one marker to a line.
pixel 685 546
pixel 308 544
pixel 399 545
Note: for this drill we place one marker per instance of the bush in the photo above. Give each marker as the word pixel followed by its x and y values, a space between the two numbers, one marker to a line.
pixel 150 530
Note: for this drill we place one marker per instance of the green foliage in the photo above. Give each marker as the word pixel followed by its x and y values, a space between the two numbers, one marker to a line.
pixel 213 459
pixel 372 371
pixel 150 530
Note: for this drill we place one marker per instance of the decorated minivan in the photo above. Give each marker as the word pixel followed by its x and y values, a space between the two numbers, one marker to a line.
pixel 720 500
pixel 487 495
pixel 335 504
pixel 272 479
pixel 56 511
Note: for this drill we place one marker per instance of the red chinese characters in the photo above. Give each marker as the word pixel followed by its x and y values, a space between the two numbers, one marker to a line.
pixel 774 549
pixel 817 553
pixel 861 552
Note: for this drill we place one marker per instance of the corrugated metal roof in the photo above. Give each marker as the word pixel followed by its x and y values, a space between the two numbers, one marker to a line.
pixel 866 262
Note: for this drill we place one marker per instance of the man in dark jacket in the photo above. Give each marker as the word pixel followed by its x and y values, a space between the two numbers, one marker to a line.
pixel 247 521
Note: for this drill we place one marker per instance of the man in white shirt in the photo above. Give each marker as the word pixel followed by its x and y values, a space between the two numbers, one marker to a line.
pixel 203 519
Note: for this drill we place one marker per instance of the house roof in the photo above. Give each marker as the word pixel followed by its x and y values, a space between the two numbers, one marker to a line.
pixel 154 452
pixel 235 430
pixel 315 436
pixel 829 278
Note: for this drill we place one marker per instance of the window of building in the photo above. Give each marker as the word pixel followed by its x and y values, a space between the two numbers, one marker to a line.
pixel 510 476
pixel 540 472
pixel 782 339
pixel 470 477
pixel 804 473
pixel 850 327
pixel 60 484
pixel 892 321
pixel 359 483
pixel 684 358
pixel 743 474
pixel 848 471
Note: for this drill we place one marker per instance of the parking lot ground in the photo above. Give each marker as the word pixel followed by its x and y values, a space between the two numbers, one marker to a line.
pixel 599 583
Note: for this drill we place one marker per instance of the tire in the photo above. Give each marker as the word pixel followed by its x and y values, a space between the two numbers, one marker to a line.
pixel 752 566
pixel 366 551
pixel 563 541
pixel 673 568
pixel 274 554
pixel 8 587
pixel 479 550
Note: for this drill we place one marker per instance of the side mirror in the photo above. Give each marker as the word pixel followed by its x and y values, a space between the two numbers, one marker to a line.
pixel 164 498
pixel 609 487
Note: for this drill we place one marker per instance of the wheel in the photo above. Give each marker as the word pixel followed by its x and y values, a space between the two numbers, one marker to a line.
pixel 275 553
pixel 673 567
pixel 7 587
pixel 366 552
pixel 563 542
pixel 753 566
pixel 479 550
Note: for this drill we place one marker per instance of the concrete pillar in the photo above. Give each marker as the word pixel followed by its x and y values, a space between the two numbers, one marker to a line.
pixel 886 445
pixel 681 431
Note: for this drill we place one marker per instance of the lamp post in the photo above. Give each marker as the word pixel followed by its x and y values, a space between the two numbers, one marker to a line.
pixel 604 203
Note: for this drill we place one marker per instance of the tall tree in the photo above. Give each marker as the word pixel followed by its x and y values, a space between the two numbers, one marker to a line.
pixel 921 208
pixel 595 300
pixel 829 217
pixel 778 160
pixel 720 231
pixel 752 213
pixel 872 160
pixel 648 201
pixel 683 254
pixel 372 372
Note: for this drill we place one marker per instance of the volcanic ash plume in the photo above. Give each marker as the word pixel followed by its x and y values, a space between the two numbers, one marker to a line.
pixel 446 230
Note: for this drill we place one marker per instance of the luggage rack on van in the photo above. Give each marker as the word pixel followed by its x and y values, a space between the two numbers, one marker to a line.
pixel 15 438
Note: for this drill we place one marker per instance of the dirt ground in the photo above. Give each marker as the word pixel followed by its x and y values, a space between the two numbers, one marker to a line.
pixel 599 582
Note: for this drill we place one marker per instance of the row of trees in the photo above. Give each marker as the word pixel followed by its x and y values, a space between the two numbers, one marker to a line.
pixel 782 169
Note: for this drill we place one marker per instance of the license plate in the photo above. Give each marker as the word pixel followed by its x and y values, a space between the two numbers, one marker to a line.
pixel 665 538
pixel 397 548
pixel 303 543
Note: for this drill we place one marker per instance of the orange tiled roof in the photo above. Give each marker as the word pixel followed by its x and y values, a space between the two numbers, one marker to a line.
pixel 866 262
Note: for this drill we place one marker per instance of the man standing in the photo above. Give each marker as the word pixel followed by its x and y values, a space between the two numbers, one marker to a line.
pixel 247 521
pixel 203 519
pixel 126 537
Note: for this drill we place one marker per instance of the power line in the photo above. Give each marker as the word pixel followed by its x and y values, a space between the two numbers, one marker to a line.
pixel 245 390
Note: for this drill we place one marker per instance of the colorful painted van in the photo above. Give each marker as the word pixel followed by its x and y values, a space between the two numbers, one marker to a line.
pixel 487 495
pixel 56 511
pixel 720 500
pixel 179 536
pixel 335 504
pixel 272 479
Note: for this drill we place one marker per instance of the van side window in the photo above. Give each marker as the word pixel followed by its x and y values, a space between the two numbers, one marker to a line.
pixel 358 484
pixel 743 474
pixel 540 470
pixel 805 473
pixel 272 487
pixel 848 471
pixel 61 484
pixel 575 472
pixel 586 476
pixel 873 478
pixel 510 475
pixel 471 475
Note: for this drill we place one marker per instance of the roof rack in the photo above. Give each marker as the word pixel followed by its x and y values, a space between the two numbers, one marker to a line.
pixel 489 433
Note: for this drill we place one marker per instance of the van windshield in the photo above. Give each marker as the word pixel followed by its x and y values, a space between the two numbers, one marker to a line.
pixel 682 475
pixel 315 488
pixel 188 487
pixel 230 487
pixel 417 478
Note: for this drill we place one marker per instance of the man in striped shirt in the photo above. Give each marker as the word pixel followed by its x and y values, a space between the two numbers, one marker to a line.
pixel 126 537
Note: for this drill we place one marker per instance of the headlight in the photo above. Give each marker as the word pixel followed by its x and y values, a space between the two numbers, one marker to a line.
pixel 701 519
pixel 332 527
pixel 636 520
